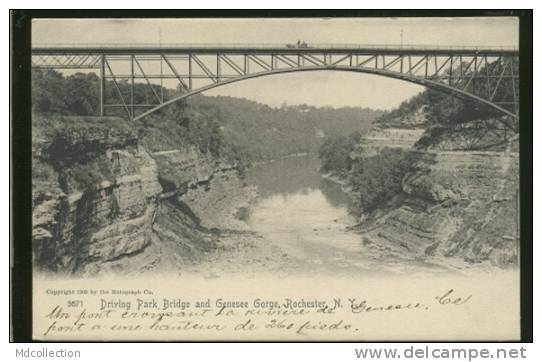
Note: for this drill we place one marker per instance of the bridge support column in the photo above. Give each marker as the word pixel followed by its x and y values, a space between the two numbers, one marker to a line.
pixel 102 85
pixel 189 72
pixel 132 85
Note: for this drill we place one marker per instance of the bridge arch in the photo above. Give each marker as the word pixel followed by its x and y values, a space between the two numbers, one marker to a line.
pixel 456 92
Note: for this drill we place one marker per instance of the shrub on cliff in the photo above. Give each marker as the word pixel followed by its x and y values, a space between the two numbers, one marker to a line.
pixel 374 180
pixel 335 153
pixel 442 109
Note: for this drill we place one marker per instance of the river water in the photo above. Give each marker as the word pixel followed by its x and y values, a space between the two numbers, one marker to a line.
pixel 305 215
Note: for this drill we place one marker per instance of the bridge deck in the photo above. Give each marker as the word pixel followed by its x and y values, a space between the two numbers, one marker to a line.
pixel 119 49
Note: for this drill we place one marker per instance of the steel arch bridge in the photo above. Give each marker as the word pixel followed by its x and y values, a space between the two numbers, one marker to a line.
pixel 488 76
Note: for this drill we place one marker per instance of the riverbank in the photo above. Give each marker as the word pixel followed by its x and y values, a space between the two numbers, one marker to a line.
pixel 259 163
pixel 341 181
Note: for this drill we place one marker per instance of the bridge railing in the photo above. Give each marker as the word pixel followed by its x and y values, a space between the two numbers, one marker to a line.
pixel 329 46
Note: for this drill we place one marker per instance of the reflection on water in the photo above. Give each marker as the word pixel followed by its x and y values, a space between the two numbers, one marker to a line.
pixel 295 176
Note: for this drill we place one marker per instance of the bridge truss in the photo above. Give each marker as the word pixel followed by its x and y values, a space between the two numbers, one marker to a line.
pixel 488 76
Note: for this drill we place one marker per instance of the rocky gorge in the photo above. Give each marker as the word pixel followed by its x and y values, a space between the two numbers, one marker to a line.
pixel 109 199
pixel 102 202
pixel 458 204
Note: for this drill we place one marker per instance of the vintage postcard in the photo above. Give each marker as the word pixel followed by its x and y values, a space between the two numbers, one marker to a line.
pixel 276 179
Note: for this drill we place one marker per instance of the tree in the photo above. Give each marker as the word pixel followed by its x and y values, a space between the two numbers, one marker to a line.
pixel 48 91
pixel 81 96
pixel 335 153
pixel 376 179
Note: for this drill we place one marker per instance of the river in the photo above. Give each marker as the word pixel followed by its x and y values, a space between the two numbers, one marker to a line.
pixel 306 216
pixel 299 225
pixel 301 212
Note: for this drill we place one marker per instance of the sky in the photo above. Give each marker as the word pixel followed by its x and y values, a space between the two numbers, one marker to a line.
pixel 335 89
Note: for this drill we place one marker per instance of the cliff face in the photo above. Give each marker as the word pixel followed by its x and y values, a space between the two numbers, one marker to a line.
pixel 460 204
pixel 378 138
pixel 94 192
pixel 487 135
pixel 210 188
pixel 457 204
pixel 101 202
pixel 415 118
